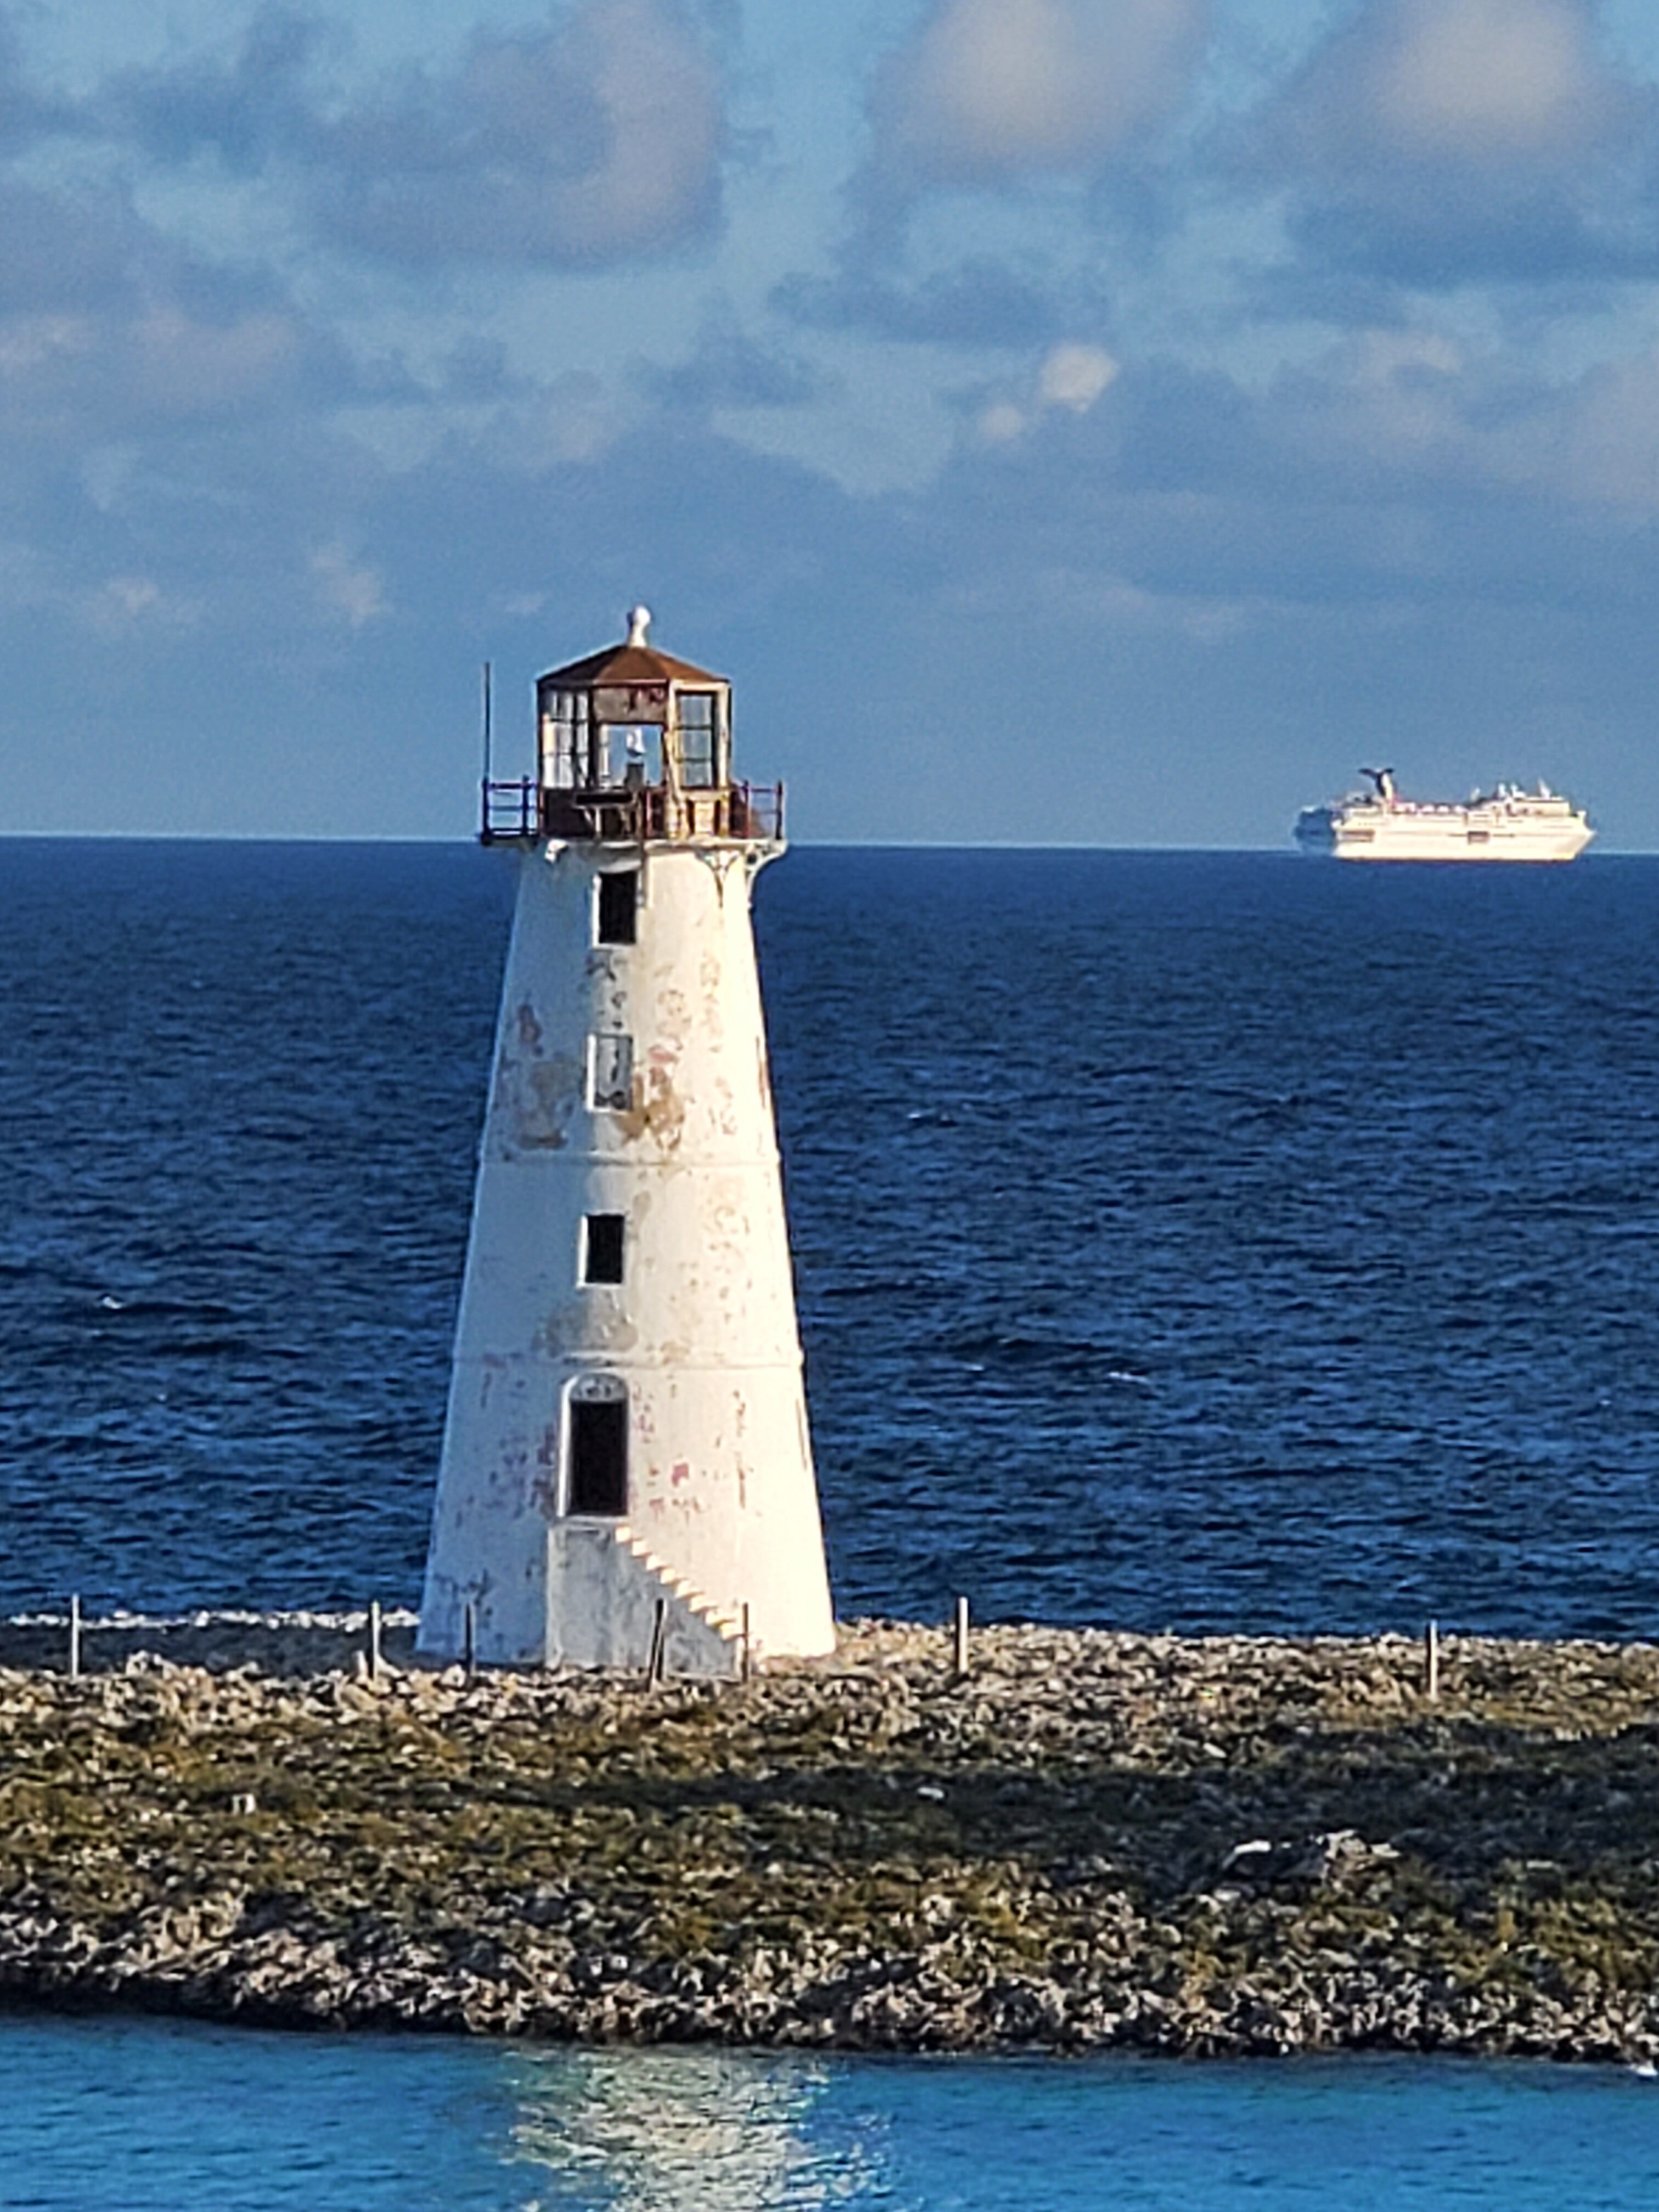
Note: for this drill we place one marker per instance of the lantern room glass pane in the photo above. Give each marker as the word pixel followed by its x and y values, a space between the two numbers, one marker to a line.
pixel 699 754
pixel 629 754
pixel 565 763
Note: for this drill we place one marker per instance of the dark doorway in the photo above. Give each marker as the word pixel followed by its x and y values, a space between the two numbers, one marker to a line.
pixel 598 1456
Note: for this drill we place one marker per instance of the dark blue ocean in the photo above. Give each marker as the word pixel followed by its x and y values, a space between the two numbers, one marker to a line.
pixel 1206 1240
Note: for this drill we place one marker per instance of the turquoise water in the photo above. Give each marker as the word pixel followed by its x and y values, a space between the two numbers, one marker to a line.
pixel 140 2116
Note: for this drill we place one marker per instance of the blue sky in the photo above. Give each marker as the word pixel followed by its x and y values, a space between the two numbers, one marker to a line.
pixel 1101 420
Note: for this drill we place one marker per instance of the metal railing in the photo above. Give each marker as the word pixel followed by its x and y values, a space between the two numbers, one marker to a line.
pixel 508 810
pixel 630 813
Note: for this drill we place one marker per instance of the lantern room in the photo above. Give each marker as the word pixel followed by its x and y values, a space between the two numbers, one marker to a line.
pixel 632 746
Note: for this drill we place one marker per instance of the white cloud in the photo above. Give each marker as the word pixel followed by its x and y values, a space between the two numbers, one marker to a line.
pixel 1001 423
pixel 1416 419
pixel 599 138
pixel 1436 144
pixel 1074 376
pixel 195 476
pixel 660 99
pixel 1599 445
pixel 1069 379
pixel 991 88
pixel 349 588
pixel 122 604
pixel 568 420
pixel 32 342
pixel 592 136
pixel 1506 77
pixel 132 595
pixel 198 367
pixel 1471 82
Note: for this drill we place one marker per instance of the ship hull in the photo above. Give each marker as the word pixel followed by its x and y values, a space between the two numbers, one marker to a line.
pixel 1461 834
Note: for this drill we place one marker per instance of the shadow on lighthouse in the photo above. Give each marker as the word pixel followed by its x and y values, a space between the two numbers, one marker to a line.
pixel 627 1473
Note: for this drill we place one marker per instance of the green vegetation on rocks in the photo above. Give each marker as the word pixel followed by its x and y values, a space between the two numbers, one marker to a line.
pixel 1206 1845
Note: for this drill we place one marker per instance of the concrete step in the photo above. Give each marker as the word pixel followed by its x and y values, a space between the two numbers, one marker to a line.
pixel 727 1624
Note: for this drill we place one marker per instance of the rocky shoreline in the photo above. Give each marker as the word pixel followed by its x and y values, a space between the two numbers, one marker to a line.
pixel 1196 1845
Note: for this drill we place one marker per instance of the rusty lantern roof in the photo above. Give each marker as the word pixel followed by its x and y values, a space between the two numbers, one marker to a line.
pixel 635 663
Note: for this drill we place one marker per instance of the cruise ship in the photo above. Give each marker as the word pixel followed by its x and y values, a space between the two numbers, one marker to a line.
pixel 1505 823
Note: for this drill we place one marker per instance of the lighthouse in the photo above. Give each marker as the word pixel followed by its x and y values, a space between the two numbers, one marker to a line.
pixel 627 1471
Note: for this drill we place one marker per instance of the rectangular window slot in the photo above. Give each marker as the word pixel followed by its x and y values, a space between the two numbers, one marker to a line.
pixel 598 1456
pixel 610 1073
pixel 618 906
pixel 602 1248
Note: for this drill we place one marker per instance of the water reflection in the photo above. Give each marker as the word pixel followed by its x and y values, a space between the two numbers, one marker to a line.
pixel 134 2115
pixel 694 2129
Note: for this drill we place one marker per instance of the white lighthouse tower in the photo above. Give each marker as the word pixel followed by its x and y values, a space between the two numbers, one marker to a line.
pixel 626 1465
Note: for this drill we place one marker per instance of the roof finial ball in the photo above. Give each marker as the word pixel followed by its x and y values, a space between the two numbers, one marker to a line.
pixel 639 624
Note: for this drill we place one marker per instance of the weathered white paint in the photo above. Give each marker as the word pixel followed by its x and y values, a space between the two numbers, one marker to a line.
pixel 722 1509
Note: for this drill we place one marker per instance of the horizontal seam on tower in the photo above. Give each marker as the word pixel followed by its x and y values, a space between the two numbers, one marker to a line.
pixel 676 1366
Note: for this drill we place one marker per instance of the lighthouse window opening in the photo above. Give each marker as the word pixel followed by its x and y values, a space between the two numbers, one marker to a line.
pixel 597 1482
pixel 631 754
pixel 699 766
pixel 610 1073
pixel 564 740
pixel 617 911
pixel 603 1238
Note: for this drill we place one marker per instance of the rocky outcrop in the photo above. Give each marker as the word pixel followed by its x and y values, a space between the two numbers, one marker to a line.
pixel 1206 1846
